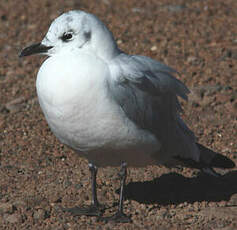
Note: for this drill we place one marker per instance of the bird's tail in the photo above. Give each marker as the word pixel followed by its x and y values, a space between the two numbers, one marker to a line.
pixel 212 159
pixel 209 160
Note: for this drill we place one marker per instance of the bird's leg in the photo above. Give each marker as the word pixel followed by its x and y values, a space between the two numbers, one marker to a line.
pixel 119 215
pixel 95 209
pixel 123 176
pixel 93 169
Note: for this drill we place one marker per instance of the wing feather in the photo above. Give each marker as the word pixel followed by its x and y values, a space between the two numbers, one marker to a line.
pixel 147 92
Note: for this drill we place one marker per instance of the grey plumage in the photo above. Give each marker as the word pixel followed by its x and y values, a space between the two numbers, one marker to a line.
pixel 147 92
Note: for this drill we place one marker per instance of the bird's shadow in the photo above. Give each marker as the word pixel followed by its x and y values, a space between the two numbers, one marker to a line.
pixel 174 188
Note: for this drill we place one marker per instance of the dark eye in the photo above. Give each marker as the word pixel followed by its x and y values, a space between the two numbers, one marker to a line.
pixel 66 37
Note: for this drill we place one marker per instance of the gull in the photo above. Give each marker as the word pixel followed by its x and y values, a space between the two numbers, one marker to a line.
pixel 113 108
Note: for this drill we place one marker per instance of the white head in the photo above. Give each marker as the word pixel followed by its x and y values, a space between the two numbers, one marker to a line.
pixel 76 30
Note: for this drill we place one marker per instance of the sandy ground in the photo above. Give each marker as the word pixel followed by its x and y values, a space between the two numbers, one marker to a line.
pixel 38 174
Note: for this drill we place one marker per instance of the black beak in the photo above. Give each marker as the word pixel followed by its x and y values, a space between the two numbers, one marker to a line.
pixel 34 49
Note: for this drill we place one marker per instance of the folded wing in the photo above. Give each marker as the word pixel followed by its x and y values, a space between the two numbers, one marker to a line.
pixel 147 92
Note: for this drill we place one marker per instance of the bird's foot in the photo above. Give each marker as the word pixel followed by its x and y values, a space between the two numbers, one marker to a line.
pixel 90 210
pixel 118 217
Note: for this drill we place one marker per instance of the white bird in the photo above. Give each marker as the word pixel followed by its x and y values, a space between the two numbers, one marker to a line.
pixel 110 107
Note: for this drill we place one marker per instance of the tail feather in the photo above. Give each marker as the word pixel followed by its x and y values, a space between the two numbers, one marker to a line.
pixel 211 172
pixel 208 160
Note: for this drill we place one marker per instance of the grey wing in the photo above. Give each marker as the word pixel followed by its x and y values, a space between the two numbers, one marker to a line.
pixel 147 92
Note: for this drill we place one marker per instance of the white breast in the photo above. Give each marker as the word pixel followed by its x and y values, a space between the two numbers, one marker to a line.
pixel 73 95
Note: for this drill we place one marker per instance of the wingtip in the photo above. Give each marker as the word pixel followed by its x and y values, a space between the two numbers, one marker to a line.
pixel 216 160
pixel 220 161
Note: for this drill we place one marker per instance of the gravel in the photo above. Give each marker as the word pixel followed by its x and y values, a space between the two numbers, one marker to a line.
pixel 39 175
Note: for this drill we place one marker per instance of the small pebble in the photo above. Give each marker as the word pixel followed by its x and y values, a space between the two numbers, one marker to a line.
pixel 233 200
pixel 39 214
pixel 6 208
pixel 153 48
pixel 119 42
pixel 13 218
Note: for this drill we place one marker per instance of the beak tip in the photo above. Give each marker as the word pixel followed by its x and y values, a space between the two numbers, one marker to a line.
pixel 34 49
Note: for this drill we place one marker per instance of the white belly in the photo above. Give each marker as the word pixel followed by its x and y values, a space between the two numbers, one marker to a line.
pixel 82 115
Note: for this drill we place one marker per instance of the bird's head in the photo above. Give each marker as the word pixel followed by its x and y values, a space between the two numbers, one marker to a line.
pixel 75 30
